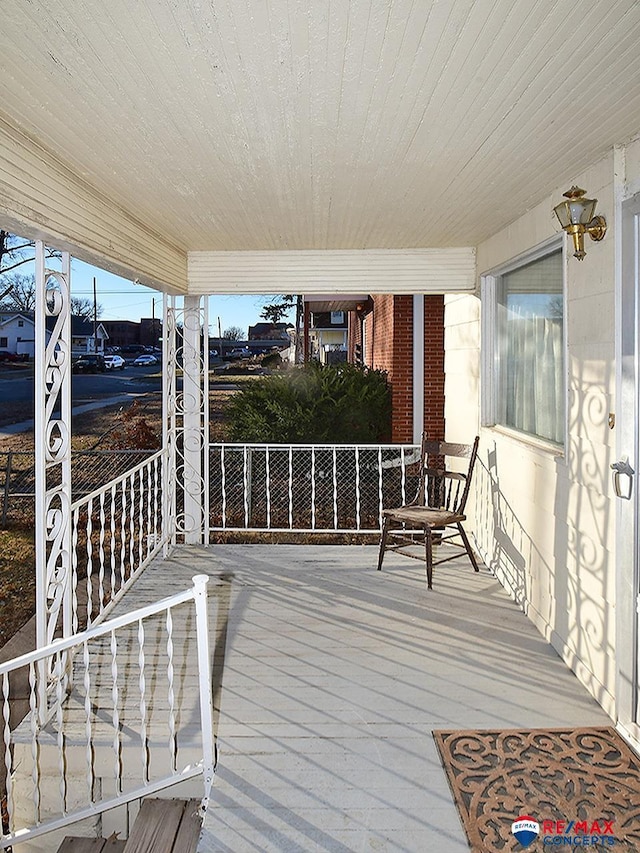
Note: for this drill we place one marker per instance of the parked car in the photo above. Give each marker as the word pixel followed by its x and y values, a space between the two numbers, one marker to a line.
pixel 142 360
pixel 89 363
pixel 114 362
pixel 5 355
pixel 240 352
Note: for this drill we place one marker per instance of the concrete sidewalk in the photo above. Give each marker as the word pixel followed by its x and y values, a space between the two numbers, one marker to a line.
pixel 23 426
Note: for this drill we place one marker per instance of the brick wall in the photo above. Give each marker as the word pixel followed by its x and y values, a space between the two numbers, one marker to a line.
pixel 388 336
pixel 434 366
pixel 389 346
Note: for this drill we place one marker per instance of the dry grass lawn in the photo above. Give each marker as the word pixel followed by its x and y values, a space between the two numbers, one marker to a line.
pixel 115 427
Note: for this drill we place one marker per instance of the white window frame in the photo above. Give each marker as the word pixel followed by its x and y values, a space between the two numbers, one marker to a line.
pixel 490 358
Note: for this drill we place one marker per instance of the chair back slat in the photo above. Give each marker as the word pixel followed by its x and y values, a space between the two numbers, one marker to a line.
pixel 437 513
pixel 439 487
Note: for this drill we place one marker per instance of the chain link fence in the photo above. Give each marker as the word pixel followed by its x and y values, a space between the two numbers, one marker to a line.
pixel 305 488
pixel 90 470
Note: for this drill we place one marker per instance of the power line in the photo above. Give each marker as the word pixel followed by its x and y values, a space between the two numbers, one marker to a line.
pixel 107 292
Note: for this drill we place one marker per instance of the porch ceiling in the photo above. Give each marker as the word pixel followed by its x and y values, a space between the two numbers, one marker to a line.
pixel 297 125
pixel 318 303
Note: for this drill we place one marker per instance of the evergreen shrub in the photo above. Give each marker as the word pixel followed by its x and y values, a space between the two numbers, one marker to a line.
pixel 336 404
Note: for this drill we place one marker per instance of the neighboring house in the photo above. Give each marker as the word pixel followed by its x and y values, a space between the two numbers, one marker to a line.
pixel 147 332
pixel 150 331
pixel 328 331
pixel 402 335
pixel 84 338
pixel 270 331
pixel 122 332
pixel 17 334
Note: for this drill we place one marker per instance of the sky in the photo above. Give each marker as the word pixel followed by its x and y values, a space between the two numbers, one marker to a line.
pixel 121 299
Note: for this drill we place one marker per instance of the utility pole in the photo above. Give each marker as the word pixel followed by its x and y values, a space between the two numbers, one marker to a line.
pixel 95 317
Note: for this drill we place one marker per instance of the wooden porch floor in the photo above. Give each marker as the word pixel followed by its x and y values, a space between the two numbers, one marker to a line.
pixel 329 678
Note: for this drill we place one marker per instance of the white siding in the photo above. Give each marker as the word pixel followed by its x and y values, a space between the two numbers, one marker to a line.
pixel 20 338
pixel 41 198
pixel 334 271
pixel 544 520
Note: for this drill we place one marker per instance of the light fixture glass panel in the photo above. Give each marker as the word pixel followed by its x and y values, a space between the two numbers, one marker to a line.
pixel 581 210
pixel 563 213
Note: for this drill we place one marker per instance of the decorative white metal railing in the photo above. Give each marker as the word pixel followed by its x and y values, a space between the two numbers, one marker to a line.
pixel 302 488
pixel 52 406
pixel 186 418
pixel 116 531
pixel 106 742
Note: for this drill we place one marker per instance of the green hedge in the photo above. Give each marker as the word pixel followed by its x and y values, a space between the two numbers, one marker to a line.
pixel 338 404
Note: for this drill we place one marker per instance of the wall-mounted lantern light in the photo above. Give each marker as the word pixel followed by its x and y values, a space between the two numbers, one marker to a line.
pixel 576 215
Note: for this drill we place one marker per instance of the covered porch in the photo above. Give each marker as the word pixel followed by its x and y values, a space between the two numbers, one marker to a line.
pixel 329 679
pixel 387 148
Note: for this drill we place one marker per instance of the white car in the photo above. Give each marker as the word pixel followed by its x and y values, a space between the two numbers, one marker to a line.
pixel 114 362
pixel 142 360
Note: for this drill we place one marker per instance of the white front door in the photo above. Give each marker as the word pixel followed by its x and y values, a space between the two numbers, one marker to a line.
pixel 625 477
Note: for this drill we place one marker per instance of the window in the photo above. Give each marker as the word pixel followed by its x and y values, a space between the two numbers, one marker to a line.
pixel 4 343
pixel 337 318
pixel 526 310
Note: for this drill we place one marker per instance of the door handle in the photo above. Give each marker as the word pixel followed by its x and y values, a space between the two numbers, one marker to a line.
pixel 618 468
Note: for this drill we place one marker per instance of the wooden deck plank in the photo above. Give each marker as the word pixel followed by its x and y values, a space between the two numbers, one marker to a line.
pixel 114 845
pixel 189 829
pixel 156 827
pixel 75 844
pixel 162 826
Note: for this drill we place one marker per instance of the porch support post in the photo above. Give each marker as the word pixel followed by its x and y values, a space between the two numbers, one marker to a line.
pixel 418 367
pixel 192 404
pixel 305 340
pixel 169 429
pixel 52 407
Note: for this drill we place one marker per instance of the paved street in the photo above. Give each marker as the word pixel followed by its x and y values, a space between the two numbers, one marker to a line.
pixel 17 386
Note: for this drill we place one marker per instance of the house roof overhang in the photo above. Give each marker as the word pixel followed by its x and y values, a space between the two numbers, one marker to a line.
pixel 320 303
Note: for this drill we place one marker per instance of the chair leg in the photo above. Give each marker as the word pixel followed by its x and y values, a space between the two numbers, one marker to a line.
pixel 383 542
pixel 468 547
pixel 428 548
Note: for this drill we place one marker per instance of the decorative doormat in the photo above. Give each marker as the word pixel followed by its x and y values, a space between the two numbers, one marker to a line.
pixel 544 789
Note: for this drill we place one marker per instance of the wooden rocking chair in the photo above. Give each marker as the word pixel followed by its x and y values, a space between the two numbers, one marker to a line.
pixel 439 504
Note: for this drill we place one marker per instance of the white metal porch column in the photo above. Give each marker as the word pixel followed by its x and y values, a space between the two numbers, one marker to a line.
pixel 52 404
pixel 418 367
pixel 186 418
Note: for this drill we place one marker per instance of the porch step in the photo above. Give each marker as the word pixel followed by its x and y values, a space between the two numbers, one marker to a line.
pixel 162 826
pixel 91 845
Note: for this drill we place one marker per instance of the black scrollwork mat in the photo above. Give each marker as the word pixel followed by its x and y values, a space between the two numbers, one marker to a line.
pixel 544 788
